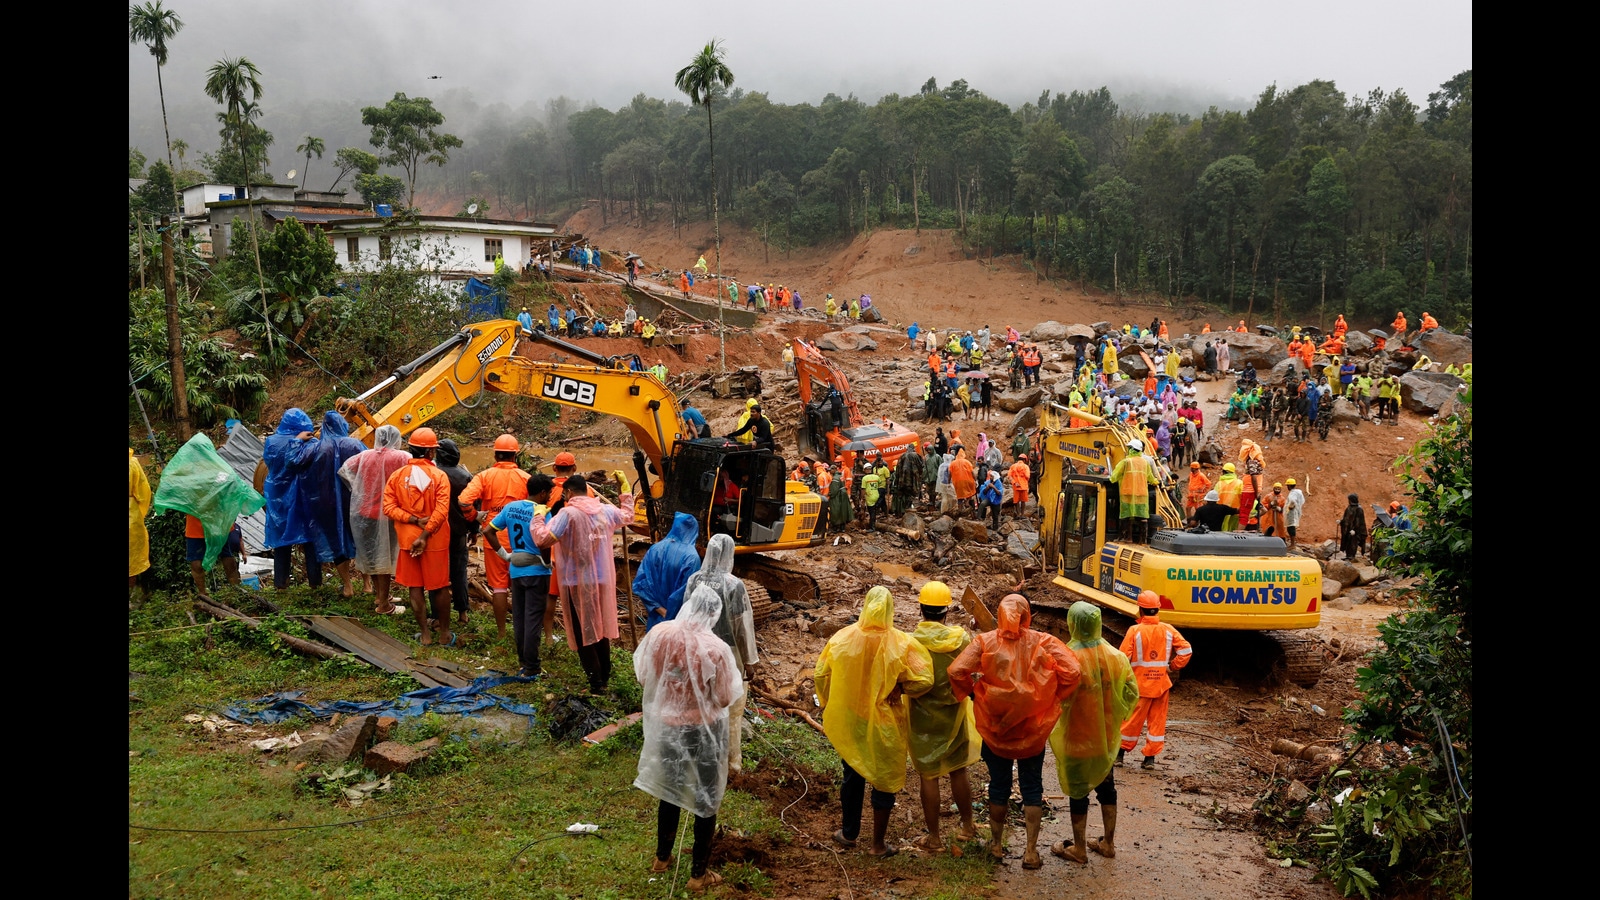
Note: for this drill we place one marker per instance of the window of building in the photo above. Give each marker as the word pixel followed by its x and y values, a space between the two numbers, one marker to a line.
pixel 491 249
pixel 352 248
pixel 385 246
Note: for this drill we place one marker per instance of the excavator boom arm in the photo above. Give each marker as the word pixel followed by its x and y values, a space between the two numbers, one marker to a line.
pixel 811 364
pixel 482 357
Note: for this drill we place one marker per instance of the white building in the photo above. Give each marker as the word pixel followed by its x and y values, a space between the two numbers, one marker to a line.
pixel 455 246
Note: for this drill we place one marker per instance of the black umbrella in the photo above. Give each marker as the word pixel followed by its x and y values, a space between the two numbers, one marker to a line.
pixel 1378 332
pixel 859 446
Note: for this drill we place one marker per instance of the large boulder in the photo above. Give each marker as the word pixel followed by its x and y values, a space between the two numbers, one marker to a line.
pixel 1341 571
pixel 1048 331
pixel 1358 343
pixel 1024 420
pixel 1131 364
pixel 914 393
pixel 970 531
pixel 1026 398
pixel 1021 544
pixel 1079 331
pixel 871 314
pixel 1428 392
pixel 941 525
pixel 1399 362
pixel 1101 328
pixel 1445 348
pixel 1345 412
pixel 1243 349
pixel 1127 389
pixel 844 340
pixel 1283 366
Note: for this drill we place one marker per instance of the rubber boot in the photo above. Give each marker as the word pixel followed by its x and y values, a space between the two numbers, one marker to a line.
pixel 1120 755
pixel 997 830
pixel 1034 815
pixel 1108 819
pixel 1149 763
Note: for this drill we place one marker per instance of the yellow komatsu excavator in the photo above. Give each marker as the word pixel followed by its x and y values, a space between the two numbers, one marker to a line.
pixel 728 487
pixel 1224 581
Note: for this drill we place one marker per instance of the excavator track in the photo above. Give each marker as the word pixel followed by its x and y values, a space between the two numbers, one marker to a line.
pixel 1303 657
pixel 789 582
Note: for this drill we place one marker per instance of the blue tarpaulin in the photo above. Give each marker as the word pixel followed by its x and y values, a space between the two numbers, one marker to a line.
pixel 468 700
pixel 483 301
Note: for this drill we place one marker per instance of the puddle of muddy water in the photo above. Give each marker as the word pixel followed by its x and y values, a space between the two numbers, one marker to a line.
pixel 892 571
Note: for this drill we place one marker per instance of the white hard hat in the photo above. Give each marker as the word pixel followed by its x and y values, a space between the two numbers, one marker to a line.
pixel 1136 445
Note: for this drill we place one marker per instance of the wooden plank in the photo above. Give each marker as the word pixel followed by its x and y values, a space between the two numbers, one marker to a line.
pixel 445 664
pixel 979 611
pixel 358 641
pixel 448 679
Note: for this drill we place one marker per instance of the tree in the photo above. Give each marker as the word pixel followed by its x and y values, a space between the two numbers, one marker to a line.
pixel 154 197
pixel 702 78
pixel 136 162
pixel 311 145
pixel 353 159
pixel 406 129
pixel 153 25
pixel 376 189
pixel 1227 192
pixel 228 81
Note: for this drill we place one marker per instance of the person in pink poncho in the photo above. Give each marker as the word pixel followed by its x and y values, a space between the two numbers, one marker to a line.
pixel 580 529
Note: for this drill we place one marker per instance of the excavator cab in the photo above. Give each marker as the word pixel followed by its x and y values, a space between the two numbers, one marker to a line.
pixel 729 488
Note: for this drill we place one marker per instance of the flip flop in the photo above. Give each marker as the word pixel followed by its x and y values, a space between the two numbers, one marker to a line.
pixel 887 852
pixel 657 866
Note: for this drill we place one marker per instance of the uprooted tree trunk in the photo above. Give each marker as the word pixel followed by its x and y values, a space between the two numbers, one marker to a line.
pixel 301 645
pixel 1321 756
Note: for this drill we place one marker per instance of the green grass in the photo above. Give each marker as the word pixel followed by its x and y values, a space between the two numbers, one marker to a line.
pixel 506 792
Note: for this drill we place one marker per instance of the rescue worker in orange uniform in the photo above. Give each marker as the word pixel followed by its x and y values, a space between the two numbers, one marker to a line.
pixel 1339 327
pixel 417 498
pixel 1333 346
pixel 1308 351
pixel 1428 323
pixel 1162 331
pixel 1199 485
pixel 1153 647
pixel 1399 326
pixel 1294 346
pixel 1019 474
pixel 491 491
pixel 1241 329
pixel 1206 328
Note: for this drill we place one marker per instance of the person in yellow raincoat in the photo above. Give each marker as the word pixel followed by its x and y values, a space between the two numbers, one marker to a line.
pixel 1088 734
pixel 1108 360
pixel 138 508
pixel 1134 474
pixel 746 436
pixel 830 307
pixel 944 740
pixel 863 677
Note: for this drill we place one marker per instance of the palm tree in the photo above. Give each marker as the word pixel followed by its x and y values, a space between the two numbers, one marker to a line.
pixel 181 147
pixel 152 25
pixel 701 79
pixel 227 82
pixel 312 145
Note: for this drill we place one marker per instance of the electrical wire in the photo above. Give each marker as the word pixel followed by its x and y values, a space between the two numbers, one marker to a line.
pixel 805 788
pixel 291 827
pixel 1455 781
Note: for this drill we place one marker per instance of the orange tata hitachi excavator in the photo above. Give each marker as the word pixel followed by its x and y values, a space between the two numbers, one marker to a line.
pixel 833 426
pixel 690 475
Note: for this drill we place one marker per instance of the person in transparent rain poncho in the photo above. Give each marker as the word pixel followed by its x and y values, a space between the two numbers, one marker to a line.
pixel 373 532
pixel 688 678
pixel 736 626
pixel 580 528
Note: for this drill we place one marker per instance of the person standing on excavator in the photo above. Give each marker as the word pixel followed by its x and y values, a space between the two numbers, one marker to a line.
pixel 1153 647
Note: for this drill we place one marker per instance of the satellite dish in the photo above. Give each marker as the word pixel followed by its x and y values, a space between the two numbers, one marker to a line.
pixel 472 210
pixel 291 174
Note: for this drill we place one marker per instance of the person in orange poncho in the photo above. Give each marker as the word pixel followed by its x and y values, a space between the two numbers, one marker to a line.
pixel 1018 679
pixel 1428 323
pixel 1333 346
pixel 1199 484
pixel 493 489
pixel 1162 331
pixel 417 498
pixel 964 478
pixel 1206 328
pixel 1020 476
pixel 1339 327
pixel 1399 326
pixel 1153 647
pixel 1241 329
pixel 1308 351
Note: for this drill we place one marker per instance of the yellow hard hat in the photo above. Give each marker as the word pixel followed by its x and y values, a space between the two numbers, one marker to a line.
pixel 935 593
pixel 1227 467
pixel 1289 482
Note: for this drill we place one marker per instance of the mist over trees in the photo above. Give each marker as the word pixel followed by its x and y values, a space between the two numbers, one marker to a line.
pixel 1309 200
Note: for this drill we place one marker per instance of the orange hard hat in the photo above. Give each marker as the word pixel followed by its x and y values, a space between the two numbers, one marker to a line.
pixel 423 437
pixel 566 459
pixel 1394 506
pixel 1149 600
pixel 1194 465
pixel 506 443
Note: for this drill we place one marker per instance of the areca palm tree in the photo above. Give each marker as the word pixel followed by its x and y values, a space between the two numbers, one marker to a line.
pixel 312 145
pixel 228 81
pixel 701 79
pixel 153 25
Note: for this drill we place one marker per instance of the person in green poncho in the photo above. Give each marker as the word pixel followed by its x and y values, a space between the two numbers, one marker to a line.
pixel 944 740
pixel 840 512
pixel 1088 734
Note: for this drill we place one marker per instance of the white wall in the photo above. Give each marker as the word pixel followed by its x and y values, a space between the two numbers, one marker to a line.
pixel 459 252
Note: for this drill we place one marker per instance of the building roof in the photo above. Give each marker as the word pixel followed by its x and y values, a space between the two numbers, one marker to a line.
pixel 307 217
pixel 446 223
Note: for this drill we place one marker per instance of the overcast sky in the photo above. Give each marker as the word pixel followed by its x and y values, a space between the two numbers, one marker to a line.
pixel 1153 54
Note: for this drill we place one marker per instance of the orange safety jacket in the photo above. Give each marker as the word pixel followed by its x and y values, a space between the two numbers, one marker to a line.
pixel 1153 646
pixel 495 488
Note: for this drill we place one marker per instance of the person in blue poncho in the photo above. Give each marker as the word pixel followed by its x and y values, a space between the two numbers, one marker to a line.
pixel 325 498
pixel 913 331
pixel 666 569
pixel 287 454
pixel 525 321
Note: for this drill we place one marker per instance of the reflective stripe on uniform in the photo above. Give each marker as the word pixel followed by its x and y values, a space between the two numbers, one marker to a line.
pixel 1185 651
pixel 1154 739
pixel 1150 665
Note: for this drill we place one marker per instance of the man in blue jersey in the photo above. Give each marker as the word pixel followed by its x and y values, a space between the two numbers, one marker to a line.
pixel 529 568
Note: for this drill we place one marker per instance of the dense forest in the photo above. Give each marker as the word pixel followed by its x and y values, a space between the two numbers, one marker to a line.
pixel 1309 201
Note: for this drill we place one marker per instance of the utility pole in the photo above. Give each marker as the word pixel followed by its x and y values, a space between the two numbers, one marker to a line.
pixel 180 392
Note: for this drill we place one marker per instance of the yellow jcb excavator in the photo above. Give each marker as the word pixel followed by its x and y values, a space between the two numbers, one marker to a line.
pixel 727 486
pixel 1228 581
